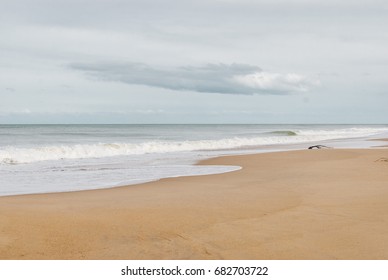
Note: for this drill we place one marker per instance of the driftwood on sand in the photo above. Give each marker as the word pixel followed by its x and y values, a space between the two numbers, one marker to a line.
pixel 319 147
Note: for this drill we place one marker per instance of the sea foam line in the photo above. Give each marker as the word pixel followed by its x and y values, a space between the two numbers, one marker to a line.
pixel 16 155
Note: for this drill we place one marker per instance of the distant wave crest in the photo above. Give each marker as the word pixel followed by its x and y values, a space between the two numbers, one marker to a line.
pixel 284 132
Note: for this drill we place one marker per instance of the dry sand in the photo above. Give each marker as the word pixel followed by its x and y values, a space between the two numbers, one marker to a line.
pixel 311 204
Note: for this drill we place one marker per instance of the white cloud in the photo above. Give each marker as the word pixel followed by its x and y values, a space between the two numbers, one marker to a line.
pixel 275 82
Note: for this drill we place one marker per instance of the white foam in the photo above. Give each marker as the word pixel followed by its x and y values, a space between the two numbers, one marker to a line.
pixel 343 132
pixel 35 162
pixel 16 155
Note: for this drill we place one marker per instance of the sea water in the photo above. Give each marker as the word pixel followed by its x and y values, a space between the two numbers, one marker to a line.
pixel 60 158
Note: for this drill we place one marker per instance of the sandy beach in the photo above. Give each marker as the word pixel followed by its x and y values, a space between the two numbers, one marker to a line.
pixel 309 204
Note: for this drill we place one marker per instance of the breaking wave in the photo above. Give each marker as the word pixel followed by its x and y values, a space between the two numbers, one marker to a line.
pixel 16 155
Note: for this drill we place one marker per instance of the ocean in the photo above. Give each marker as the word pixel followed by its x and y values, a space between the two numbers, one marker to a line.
pixel 61 158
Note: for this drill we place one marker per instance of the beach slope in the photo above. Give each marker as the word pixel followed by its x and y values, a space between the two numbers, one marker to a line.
pixel 310 204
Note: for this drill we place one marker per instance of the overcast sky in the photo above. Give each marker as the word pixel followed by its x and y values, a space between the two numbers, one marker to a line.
pixel 202 61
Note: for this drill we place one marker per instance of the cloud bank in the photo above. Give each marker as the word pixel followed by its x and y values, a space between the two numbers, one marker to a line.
pixel 210 78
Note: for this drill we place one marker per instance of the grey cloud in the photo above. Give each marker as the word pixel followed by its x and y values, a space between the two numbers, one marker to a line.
pixel 211 78
pixel 86 11
pixel 291 38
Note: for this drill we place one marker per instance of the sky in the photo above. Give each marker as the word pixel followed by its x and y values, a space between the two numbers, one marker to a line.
pixel 202 61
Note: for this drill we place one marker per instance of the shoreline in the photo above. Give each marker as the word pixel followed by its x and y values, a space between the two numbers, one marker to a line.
pixel 282 205
pixel 267 149
pixel 30 174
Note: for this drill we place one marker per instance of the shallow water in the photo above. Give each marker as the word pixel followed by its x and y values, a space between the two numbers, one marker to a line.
pixel 56 158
